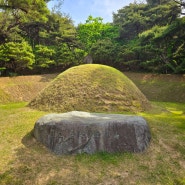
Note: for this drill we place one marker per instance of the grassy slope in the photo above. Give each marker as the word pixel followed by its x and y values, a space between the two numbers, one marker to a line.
pixel 93 88
pixel 24 161
pixel 22 88
pixel 169 88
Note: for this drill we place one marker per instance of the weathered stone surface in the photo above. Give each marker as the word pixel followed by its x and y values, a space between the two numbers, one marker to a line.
pixel 82 132
pixel 88 59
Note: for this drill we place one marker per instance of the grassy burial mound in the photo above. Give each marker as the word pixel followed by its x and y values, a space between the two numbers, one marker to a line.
pixel 91 87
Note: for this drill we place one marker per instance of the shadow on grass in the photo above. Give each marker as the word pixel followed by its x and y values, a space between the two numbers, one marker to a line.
pixel 29 162
pixel 35 164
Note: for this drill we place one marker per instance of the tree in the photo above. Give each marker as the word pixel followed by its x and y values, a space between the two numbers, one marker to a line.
pixel 68 56
pixel 60 28
pixel 131 20
pixel 89 32
pixel 156 2
pixel 44 56
pixel 147 32
pixel 26 10
pixel 98 39
pixel 105 51
pixel 166 46
pixel 136 18
pixel 181 4
pixel 17 12
pixel 16 56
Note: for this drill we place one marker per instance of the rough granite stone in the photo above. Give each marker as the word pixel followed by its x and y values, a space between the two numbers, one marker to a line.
pixel 82 132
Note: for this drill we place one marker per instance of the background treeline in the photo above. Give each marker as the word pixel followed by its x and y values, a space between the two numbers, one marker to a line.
pixel 142 37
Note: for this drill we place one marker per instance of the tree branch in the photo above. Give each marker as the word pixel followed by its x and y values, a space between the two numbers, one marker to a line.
pixel 4 7
pixel 180 2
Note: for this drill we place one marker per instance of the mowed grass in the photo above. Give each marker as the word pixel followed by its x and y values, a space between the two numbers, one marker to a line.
pixel 93 88
pixel 23 161
pixel 160 87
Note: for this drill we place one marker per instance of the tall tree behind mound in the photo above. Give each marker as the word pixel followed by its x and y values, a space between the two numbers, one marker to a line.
pixel 91 87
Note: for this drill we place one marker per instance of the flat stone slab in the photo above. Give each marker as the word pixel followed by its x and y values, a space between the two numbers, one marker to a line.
pixel 83 132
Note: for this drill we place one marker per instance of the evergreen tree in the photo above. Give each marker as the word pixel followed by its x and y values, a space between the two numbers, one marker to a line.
pixel 15 57
pixel 17 12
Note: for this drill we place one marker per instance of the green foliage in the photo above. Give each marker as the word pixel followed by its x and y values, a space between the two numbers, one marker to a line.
pixel 59 28
pixel 68 56
pixel 93 30
pixel 152 37
pixel 129 55
pixel 90 32
pixel 45 33
pixel 27 10
pixel 147 37
pixel 167 45
pixel 156 2
pixel 131 20
pixel 16 56
pixel 44 56
pixel 136 18
pixel 17 12
pixel 105 52
pixel 99 39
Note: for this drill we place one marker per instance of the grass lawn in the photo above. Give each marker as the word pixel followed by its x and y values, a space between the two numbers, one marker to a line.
pixel 23 161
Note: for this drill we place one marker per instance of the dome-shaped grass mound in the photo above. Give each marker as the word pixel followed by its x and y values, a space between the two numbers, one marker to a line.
pixel 93 88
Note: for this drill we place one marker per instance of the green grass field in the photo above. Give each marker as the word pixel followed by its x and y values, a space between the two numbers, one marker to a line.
pixel 23 161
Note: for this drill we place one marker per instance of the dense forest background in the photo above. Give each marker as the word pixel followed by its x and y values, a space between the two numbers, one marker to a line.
pixel 146 37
